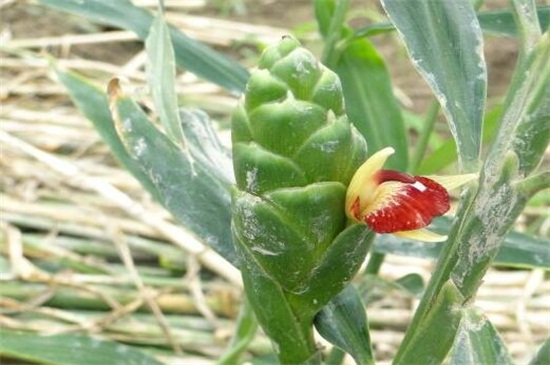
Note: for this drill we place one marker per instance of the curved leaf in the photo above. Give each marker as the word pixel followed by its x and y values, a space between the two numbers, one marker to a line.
pixel 69 349
pixel 543 354
pixel 501 22
pixel 370 103
pixel 445 154
pixel 191 189
pixel 93 103
pixel 161 75
pixel 478 342
pixel 445 44
pixel 518 250
pixel 244 333
pixel 437 329
pixel 195 189
pixel 190 54
pixel 343 322
pixel 497 22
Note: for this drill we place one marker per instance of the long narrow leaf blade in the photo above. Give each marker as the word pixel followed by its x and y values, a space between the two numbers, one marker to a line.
pixel 93 103
pixel 190 54
pixel 244 333
pixel 161 74
pixel 445 154
pixel 189 187
pixel 343 322
pixel 436 331
pixel 519 250
pixel 205 211
pixel 478 342
pixel 69 349
pixel 370 103
pixel 445 44
pixel 543 354
pixel 501 22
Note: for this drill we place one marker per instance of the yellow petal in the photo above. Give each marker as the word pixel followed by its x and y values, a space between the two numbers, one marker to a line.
pixel 451 182
pixel 362 184
pixel 421 235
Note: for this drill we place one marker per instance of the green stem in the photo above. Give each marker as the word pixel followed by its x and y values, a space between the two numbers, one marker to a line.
pixel 335 357
pixel 375 263
pixel 533 184
pixel 330 56
pixel 243 335
pixel 424 137
pixel 309 353
pixel 473 243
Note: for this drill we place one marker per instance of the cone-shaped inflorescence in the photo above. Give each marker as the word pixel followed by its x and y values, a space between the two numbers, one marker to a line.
pixel 294 154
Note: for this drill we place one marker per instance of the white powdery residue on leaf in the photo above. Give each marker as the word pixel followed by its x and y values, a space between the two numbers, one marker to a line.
pixel 416 62
pixel 121 349
pixel 251 226
pixel 479 49
pixel 431 79
pixel 332 86
pixel 301 69
pixel 212 240
pixel 264 251
pixel 258 234
pixel 491 209
pixel 304 66
pixel 127 125
pixel 482 75
pixel 526 12
pixel 472 324
pixel 328 146
pixel 318 226
pixel 139 147
pixel 251 182
pixel 95 342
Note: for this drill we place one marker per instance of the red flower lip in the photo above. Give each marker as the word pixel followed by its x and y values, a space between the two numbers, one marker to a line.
pixel 390 201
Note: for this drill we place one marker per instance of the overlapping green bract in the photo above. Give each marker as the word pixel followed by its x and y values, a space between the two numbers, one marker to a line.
pixel 294 153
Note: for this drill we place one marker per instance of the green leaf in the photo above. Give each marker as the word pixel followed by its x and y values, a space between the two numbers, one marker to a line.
pixel 534 112
pixel 411 283
pixel 191 187
pixel 501 22
pixel 69 349
pixel 543 355
pixel 370 103
pixel 445 154
pixel 294 338
pixel 247 326
pixel 519 249
pixel 436 330
pixel 206 213
pixel 190 54
pixel 324 10
pixel 529 30
pixel 373 288
pixel 347 252
pixel 343 322
pixel 478 342
pixel 161 74
pixel 445 44
pixel 93 103
pixel 497 22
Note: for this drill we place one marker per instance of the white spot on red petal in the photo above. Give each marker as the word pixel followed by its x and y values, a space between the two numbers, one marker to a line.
pixel 419 186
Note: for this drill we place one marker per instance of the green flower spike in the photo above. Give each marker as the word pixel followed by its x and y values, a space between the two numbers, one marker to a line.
pixel 294 154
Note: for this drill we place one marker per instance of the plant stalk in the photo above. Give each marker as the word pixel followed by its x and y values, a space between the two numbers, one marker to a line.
pixel 424 137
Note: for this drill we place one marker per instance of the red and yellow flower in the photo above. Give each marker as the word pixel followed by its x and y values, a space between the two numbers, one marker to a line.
pixel 394 202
